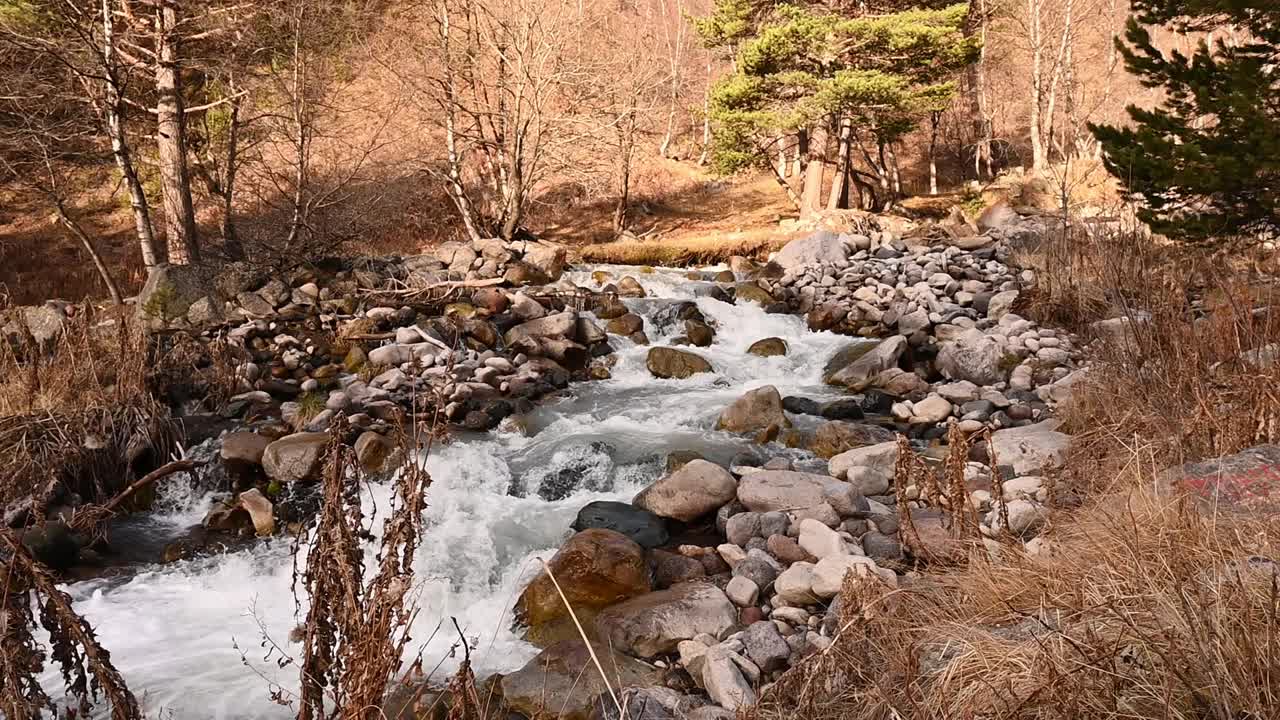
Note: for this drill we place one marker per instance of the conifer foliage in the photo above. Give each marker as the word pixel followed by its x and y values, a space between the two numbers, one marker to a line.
pixel 883 66
pixel 1207 161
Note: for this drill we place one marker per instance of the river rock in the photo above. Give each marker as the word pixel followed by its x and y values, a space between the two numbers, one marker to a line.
pixel 795 585
pixel 647 703
pixel 559 325
pixel 758 567
pixel 595 568
pixel 296 457
pixel 829 573
pixel 625 325
pixel 722 679
pixel 767 490
pixel 1001 304
pixel 665 362
pixel 859 374
pixel 1025 517
pixel 643 527
pixel 819 540
pixel 244 447
pixel 768 347
pixel 869 469
pixel 548 258
pixel 742 591
pixel 822 247
pixel 756 410
pixel 835 437
pixel 972 356
pixel 765 646
pixel 695 489
pixel 562 682
pixel 655 623
pixel 752 292
pixel 372 450
pixel 259 508
pixel 1031 449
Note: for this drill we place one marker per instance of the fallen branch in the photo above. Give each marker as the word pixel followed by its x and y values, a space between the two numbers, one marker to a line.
pixel 163 471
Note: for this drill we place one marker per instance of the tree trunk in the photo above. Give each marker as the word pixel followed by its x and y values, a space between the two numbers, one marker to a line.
pixel 799 152
pixel 783 164
pixel 1037 84
pixel 457 191
pixel 840 183
pixel 627 135
pixel 171 142
pixel 89 247
pixel 934 117
pixel 1060 61
pixel 977 81
pixel 114 109
pixel 811 198
pixel 230 239
pixel 706 120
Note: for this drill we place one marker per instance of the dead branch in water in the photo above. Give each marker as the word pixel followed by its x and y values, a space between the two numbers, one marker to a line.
pixel 86 666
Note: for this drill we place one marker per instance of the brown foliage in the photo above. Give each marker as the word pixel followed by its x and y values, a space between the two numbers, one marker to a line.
pixel 85 664
pixel 357 626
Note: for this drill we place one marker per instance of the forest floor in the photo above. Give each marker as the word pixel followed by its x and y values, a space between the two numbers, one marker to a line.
pixel 681 214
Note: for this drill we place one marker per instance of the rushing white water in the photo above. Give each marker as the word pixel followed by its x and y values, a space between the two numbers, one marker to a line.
pixel 178 632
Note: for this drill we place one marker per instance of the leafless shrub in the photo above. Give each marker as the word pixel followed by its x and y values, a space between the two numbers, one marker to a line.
pixel 86 665
pixel 356 629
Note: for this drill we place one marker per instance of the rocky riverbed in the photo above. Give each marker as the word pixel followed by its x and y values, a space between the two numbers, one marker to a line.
pixel 702 456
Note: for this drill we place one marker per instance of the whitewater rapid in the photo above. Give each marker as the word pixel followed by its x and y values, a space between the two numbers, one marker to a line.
pixel 192 638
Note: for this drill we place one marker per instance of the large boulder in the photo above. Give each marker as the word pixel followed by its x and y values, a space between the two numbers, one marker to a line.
pixel 560 325
pixel 859 374
pixel 1031 449
pixel 695 489
pixel 768 490
pixel 752 292
pixel 834 437
pixel 756 410
pixel 665 362
pixel 1247 481
pixel 295 458
pixel 822 247
pixel 548 258
pixel 998 216
pixel 768 347
pixel 595 568
pixel 245 448
pixel 870 469
pixel 645 528
pixel 654 624
pixel 972 356
pixel 172 290
pixel 562 681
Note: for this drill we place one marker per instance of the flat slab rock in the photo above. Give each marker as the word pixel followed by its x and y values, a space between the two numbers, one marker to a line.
pixel 655 623
pixel 1248 481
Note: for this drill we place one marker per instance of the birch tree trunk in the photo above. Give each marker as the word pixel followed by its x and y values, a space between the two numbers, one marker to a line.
pixel 840 183
pixel 934 118
pixel 114 109
pixel 457 191
pixel 171 142
pixel 1034 8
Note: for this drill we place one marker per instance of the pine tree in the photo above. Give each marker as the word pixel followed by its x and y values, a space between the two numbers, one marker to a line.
pixel 1207 161
pixel 801 66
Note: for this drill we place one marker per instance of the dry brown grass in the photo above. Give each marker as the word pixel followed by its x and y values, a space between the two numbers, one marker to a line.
pixel 1140 606
pixel 682 252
